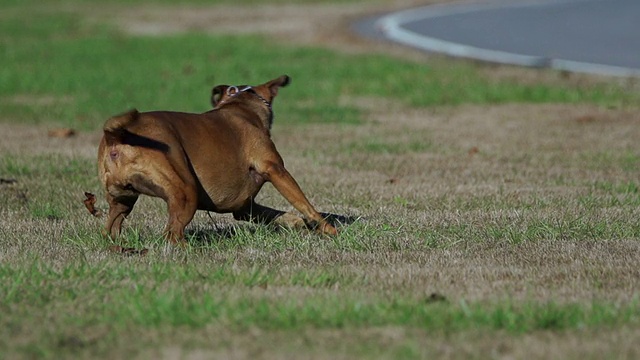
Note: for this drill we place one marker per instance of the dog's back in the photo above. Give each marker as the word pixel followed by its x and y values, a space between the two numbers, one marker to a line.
pixel 208 150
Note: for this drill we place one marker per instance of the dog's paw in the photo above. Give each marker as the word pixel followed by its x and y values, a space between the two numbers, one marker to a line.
pixel 327 229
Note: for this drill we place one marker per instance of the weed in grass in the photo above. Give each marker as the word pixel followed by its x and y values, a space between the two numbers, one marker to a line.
pixel 380 146
pixel 10 166
pixel 316 279
pixel 47 211
pixel 80 171
pixel 625 188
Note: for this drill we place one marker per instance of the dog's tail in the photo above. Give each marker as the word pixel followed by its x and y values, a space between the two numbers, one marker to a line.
pixel 115 128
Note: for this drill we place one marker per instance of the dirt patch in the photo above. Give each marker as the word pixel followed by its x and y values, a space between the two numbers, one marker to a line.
pixel 327 25
pixel 36 140
pixel 37 100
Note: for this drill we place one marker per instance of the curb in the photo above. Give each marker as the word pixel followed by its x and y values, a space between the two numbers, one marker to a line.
pixel 392 27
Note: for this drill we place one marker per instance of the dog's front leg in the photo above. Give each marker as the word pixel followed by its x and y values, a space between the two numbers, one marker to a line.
pixel 289 188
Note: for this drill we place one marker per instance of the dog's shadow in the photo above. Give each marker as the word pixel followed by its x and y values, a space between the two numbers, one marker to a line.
pixel 212 233
pixel 339 220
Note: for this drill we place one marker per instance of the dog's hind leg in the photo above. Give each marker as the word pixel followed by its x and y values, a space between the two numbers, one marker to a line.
pixel 182 203
pixel 119 209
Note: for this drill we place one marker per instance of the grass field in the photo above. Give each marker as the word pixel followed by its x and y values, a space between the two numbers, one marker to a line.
pixel 498 208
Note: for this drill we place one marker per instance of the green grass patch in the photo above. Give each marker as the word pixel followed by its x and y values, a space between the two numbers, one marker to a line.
pixel 379 145
pixel 48 211
pixel 50 166
pixel 625 188
pixel 558 228
pixel 59 68
pixel 185 295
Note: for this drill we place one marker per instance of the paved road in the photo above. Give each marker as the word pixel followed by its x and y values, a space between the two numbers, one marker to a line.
pixel 596 36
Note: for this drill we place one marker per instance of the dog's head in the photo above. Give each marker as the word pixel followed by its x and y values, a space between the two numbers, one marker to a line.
pixel 266 92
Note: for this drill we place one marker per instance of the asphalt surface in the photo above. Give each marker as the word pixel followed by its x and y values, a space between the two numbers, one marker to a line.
pixel 593 36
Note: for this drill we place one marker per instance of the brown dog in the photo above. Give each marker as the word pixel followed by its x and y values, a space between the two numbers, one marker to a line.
pixel 215 161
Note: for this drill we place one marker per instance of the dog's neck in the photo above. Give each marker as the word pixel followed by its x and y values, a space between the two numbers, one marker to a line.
pixel 266 119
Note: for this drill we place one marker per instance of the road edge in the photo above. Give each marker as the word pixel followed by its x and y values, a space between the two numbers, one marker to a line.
pixel 391 27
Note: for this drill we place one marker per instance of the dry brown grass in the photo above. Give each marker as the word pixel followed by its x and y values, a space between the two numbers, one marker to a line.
pixel 485 166
pixel 479 167
pixel 525 154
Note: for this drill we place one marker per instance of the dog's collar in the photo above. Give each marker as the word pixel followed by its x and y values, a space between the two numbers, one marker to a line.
pixel 233 91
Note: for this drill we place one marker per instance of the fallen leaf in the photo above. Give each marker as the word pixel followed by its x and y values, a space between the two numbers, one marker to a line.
pixel 586 119
pixel 62 133
pixel 90 202
pixel 474 150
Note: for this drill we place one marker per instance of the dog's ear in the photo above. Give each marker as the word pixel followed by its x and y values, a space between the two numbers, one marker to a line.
pixel 218 93
pixel 276 84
